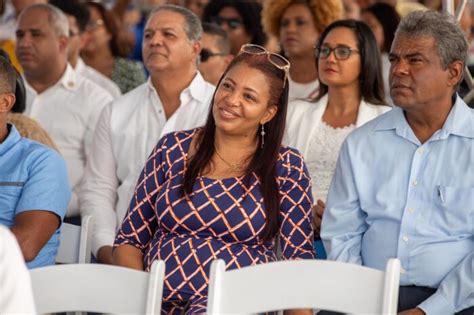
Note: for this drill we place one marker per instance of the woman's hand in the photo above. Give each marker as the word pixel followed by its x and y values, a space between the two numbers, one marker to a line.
pixel 318 210
pixel 128 256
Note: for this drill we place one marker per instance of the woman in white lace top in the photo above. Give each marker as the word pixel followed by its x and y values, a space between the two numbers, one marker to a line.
pixel 351 93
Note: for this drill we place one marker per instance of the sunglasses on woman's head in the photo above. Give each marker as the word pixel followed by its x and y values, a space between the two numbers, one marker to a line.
pixel 275 59
pixel 206 54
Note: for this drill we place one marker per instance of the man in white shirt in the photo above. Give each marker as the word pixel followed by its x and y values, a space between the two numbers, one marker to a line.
pixel 78 17
pixel 175 97
pixel 66 104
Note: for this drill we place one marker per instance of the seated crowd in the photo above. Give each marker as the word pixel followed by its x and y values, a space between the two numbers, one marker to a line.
pixel 240 131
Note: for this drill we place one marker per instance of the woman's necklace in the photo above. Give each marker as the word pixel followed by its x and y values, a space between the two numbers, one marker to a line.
pixel 235 167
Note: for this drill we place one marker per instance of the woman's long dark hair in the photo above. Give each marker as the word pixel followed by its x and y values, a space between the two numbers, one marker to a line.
pixel 370 78
pixel 264 160
pixel 388 18
pixel 117 44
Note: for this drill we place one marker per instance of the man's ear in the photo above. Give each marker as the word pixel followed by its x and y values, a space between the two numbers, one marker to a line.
pixel 196 49
pixel 6 102
pixel 455 72
pixel 269 114
pixel 63 42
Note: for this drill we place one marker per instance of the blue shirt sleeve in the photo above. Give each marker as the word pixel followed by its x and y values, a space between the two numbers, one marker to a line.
pixel 47 186
pixel 343 223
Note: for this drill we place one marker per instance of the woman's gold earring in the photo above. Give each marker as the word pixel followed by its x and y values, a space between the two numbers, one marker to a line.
pixel 262 133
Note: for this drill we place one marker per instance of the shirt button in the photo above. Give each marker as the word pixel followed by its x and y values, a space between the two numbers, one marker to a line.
pixel 402 271
pixel 411 210
pixel 421 150
pixel 405 238
pixel 415 182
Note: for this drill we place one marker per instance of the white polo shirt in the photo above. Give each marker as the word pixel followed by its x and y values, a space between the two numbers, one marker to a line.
pixel 69 111
pixel 126 133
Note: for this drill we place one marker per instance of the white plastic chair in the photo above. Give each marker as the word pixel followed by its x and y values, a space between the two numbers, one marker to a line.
pixel 75 243
pixel 316 284
pixel 98 288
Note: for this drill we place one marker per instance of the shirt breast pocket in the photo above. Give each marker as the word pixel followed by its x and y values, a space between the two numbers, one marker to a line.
pixel 457 208
pixel 10 193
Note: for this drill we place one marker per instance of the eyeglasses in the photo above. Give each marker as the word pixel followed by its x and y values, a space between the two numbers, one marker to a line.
pixel 206 54
pixel 341 52
pixel 232 23
pixel 275 59
pixel 95 24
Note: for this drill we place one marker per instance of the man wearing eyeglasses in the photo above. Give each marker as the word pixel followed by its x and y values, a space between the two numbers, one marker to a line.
pixel 66 104
pixel 215 53
pixel 175 97
pixel 404 182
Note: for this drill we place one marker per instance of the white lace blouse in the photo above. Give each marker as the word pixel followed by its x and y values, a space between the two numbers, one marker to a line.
pixel 319 143
pixel 321 159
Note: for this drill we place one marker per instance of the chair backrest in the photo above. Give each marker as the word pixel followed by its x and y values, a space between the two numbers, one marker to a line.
pixel 75 243
pixel 316 284
pixel 98 288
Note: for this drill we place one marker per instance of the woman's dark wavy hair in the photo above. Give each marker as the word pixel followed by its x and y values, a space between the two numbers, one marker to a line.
pixel 118 46
pixel 250 12
pixel 370 78
pixel 388 18
pixel 264 160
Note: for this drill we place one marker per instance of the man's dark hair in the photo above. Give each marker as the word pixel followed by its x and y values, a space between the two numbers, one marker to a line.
pixel 74 8
pixel 221 36
pixel 7 76
pixel 19 90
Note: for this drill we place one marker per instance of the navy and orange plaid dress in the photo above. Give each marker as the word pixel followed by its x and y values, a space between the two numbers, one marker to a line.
pixel 222 218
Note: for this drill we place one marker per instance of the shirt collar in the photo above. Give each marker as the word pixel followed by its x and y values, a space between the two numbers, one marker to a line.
pixel 460 121
pixel 80 65
pixel 12 139
pixel 68 80
pixel 196 89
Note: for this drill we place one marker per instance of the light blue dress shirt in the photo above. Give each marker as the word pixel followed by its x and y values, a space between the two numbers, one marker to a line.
pixel 392 196
pixel 32 177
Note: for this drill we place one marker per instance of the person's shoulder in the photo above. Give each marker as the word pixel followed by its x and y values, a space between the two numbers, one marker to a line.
pixel 92 91
pixel 289 155
pixel 378 108
pixel 128 65
pixel 177 138
pixel 132 96
pixel 33 152
pixel 363 132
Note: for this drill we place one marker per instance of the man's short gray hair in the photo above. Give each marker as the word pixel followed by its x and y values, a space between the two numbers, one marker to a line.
pixel 56 18
pixel 192 27
pixel 449 38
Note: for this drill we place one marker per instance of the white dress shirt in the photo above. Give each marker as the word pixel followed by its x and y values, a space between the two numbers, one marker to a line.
pixel 16 294
pixel 98 78
pixel 69 111
pixel 127 131
pixel 319 143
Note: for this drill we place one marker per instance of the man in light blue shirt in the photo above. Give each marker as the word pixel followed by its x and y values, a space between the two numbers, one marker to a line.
pixel 404 182
pixel 34 189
